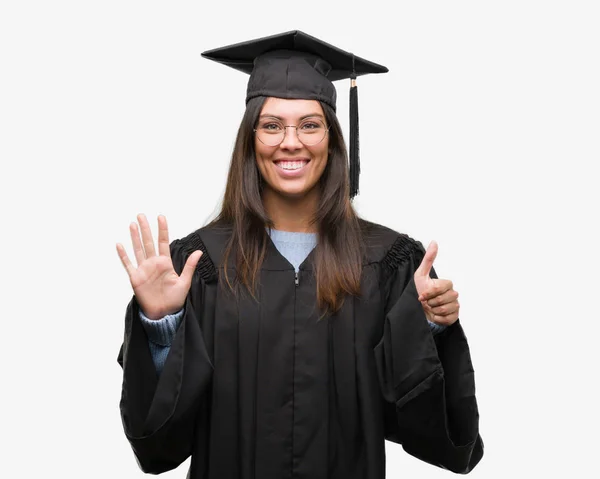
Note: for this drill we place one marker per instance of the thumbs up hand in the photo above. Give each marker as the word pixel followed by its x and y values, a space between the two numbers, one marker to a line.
pixel 436 295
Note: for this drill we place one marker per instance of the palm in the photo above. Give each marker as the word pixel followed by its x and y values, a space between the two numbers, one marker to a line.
pixel 157 286
pixel 158 289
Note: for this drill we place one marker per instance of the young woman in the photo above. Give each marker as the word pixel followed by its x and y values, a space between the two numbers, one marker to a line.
pixel 289 337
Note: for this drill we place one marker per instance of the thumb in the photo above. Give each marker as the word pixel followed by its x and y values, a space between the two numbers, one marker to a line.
pixel 427 262
pixel 190 267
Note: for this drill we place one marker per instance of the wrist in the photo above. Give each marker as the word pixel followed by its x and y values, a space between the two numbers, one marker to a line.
pixel 158 315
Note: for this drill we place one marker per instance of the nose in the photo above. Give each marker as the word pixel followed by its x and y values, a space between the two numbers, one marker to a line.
pixel 291 140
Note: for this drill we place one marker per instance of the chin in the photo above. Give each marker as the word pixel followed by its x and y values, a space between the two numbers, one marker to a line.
pixel 292 193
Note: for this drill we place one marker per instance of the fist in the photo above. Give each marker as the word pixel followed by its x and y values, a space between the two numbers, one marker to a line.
pixel 437 296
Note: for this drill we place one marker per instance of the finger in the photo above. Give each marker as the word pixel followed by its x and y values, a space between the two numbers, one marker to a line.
pixel 439 286
pixel 163 237
pixel 146 236
pixel 190 267
pixel 427 261
pixel 138 250
pixel 446 309
pixel 125 260
pixel 447 297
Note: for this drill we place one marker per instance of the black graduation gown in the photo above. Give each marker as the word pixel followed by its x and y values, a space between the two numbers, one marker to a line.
pixel 266 391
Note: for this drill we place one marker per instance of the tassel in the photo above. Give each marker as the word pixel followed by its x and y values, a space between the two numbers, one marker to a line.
pixel 354 156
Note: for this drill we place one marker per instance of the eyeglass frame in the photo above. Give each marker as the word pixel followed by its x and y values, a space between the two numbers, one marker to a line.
pixel 297 136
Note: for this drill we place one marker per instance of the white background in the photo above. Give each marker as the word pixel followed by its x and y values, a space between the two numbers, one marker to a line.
pixel 483 136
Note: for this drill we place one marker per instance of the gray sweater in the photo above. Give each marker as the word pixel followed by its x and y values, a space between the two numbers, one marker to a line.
pixel 295 247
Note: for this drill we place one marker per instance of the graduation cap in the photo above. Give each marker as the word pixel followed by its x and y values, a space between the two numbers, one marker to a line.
pixel 296 65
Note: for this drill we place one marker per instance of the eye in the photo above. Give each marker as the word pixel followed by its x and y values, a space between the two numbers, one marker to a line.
pixel 271 127
pixel 310 125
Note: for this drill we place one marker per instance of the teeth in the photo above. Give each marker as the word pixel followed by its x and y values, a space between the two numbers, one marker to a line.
pixel 291 165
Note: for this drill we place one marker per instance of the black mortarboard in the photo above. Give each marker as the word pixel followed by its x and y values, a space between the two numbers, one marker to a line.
pixel 296 65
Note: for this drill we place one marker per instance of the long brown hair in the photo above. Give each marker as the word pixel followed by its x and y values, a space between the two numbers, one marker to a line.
pixel 340 248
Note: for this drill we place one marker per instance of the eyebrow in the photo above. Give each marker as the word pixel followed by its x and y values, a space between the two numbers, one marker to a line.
pixel 310 115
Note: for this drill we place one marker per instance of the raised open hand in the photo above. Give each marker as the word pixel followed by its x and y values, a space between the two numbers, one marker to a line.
pixel 158 289
pixel 436 295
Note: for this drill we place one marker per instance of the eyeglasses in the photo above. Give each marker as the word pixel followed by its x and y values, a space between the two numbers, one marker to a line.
pixel 310 131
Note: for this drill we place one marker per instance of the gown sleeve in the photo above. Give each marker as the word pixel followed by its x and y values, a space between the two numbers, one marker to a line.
pixel 426 380
pixel 159 411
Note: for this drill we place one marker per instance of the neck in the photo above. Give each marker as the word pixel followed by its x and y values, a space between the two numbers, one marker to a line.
pixel 289 213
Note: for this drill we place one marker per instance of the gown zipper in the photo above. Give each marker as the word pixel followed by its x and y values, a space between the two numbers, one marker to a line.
pixel 297 281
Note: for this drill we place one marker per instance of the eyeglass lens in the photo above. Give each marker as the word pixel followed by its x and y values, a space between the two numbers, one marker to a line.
pixel 310 131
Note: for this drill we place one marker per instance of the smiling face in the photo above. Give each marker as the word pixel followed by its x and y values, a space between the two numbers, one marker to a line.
pixel 291 169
